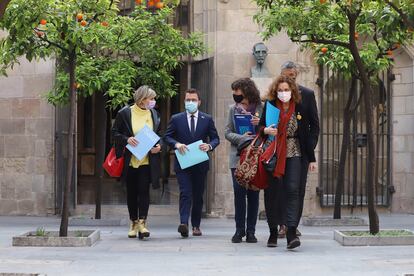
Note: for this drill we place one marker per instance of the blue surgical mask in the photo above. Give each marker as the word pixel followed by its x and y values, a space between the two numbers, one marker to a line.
pixel 191 107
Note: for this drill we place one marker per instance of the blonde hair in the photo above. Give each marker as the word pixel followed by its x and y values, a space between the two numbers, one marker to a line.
pixel 142 93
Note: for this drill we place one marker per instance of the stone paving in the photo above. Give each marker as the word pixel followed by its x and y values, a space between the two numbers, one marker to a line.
pixel 165 253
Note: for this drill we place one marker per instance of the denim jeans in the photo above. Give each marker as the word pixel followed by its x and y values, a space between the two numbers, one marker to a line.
pixel 240 195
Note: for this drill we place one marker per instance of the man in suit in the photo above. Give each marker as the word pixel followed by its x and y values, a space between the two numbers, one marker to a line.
pixel 309 107
pixel 183 129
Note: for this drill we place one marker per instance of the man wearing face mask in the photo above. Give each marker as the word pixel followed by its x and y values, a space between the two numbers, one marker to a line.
pixel 311 120
pixel 138 174
pixel 183 129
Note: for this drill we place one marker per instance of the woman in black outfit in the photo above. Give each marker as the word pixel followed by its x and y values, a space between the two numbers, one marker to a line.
pixel 295 140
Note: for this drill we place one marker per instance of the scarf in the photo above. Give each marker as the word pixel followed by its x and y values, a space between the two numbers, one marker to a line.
pixel 281 147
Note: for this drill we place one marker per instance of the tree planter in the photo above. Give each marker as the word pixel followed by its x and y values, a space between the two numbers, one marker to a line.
pixel 79 238
pixel 329 221
pixel 85 221
pixel 345 238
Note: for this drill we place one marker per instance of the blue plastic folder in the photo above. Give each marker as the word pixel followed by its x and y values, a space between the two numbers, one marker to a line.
pixel 193 156
pixel 272 114
pixel 146 140
pixel 243 124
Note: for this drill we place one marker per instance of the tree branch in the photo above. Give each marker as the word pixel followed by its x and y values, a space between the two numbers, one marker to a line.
pixel 403 15
pixel 323 41
pixel 51 43
pixel 3 6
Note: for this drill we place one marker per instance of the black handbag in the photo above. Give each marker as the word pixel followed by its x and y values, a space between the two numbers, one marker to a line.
pixel 269 157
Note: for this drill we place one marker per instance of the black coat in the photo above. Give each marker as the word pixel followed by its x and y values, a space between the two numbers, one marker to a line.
pixel 122 130
pixel 308 124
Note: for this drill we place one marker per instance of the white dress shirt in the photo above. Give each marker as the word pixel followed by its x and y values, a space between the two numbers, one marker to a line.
pixel 189 120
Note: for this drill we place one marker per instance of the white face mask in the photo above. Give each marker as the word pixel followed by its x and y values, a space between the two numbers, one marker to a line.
pixel 284 96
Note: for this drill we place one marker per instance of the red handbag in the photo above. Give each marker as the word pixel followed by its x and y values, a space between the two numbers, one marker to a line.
pixel 112 165
pixel 249 173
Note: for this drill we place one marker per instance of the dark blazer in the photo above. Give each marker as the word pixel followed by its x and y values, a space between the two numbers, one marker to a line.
pixel 308 125
pixel 178 131
pixel 122 130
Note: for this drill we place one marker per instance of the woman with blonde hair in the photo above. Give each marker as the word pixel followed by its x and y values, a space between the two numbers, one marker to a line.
pixel 138 174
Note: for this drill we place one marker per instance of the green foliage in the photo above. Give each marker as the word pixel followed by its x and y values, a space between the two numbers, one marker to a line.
pixel 41 232
pixel 325 24
pixel 114 54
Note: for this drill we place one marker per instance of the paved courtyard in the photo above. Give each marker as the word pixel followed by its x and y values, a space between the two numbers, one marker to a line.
pixel 165 253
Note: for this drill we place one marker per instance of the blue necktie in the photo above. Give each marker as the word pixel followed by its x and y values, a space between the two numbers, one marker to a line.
pixel 192 125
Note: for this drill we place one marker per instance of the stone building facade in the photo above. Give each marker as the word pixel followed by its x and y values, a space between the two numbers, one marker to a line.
pixel 27 181
pixel 27 140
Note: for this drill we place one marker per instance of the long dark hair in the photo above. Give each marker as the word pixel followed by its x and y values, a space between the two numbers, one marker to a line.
pixel 248 89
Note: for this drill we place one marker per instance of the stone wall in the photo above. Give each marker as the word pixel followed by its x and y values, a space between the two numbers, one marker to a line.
pixel 235 36
pixel 403 131
pixel 26 140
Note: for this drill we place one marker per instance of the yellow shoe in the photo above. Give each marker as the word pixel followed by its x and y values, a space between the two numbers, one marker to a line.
pixel 133 229
pixel 142 229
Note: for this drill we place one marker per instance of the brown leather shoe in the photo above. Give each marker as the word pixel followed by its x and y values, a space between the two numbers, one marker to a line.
pixel 183 230
pixel 197 231
pixel 282 231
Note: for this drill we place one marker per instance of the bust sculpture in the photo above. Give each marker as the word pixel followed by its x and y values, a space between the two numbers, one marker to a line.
pixel 260 54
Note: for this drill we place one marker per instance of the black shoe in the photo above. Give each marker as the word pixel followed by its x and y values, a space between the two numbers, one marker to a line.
pixel 293 243
pixel 237 237
pixel 183 230
pixel 272 241
pixel 250 238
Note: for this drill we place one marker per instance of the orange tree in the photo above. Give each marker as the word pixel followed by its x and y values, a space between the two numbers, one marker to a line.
pixel 355 37
pixel 110 54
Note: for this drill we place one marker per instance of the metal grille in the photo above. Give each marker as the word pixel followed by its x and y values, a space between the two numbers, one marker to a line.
pixel 334 93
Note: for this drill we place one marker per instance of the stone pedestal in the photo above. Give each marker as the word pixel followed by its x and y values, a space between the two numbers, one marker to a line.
pixel 263 85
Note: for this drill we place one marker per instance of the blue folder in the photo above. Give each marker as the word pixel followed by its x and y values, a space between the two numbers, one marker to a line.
pixel 193 156
pixel 272 115
pixel 146 140
pixel 243 123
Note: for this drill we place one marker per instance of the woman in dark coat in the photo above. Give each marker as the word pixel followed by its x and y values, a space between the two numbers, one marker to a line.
pixel 295 141
pixel 138 174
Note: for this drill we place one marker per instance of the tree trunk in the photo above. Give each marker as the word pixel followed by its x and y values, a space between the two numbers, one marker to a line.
pixel 100 142
pixel 371 156
pixel 344 149
pixel 63 232
pixel 3 6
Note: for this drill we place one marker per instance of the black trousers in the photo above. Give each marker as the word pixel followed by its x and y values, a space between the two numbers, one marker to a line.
pixel 138 197
pixel 283 196
pixel 303 178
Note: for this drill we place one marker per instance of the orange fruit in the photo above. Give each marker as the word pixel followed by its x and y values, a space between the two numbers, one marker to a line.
pixel 150 4
pixel 324 50
pixel 138 2
pixel 43 22
pixel 105 24
pixel 83 23
pixel 322 1
pixel 159 5
pixel 389 53
pixel 79 16
pixel 356 35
